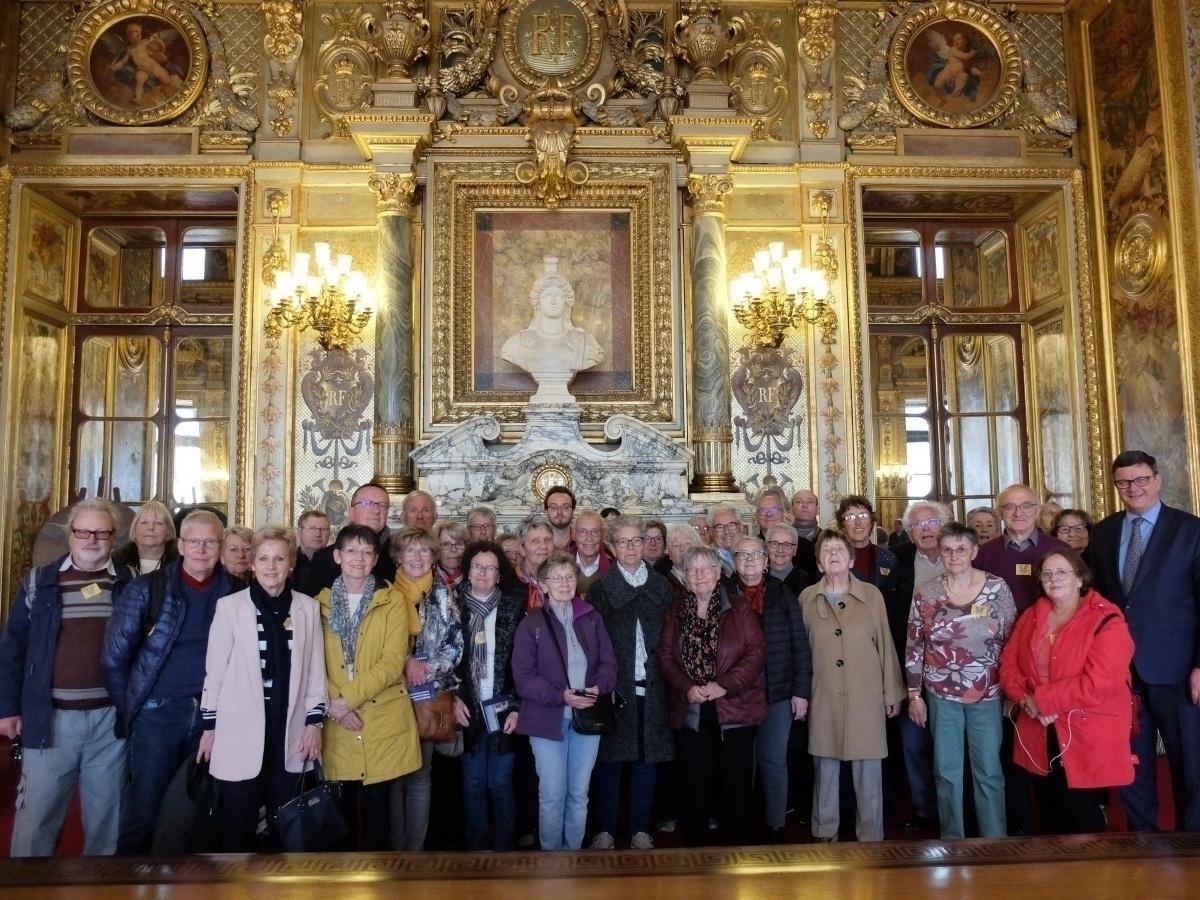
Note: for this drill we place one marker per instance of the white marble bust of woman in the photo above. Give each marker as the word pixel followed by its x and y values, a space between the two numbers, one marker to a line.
pixel 552 346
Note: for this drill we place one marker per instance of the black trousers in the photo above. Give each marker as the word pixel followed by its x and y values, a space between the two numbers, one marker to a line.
pixel 238 802
pixel 718 759
pixel 1064 809
pixel 367 811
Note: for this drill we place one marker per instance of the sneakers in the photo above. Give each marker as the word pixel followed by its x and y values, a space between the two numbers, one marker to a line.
pixel 602 841
pixel 641 841
pixel 666 826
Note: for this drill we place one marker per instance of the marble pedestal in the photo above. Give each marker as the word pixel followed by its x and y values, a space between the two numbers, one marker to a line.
pixel 638 470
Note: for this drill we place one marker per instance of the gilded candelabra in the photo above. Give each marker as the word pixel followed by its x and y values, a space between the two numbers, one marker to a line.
pixel 335 302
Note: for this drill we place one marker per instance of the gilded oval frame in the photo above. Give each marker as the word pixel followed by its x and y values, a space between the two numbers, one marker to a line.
pixel 92 57
pixel 517 52
pixel 938 98
pixel 1140 255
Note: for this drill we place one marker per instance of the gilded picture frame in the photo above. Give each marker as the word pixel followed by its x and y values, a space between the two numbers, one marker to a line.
pixel 137 62
pixel 955 64
pixel 45 263
pixel 613 243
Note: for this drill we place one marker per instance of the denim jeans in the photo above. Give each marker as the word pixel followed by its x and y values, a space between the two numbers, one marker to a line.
pixel 962 730
pixel 412 795
pixel 165 733
pixel 86 752
pixel 487 772
pixel 770 751
pixel 564 770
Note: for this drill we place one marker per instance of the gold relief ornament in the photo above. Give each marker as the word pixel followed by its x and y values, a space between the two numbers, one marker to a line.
pixel 345 68
pixel 1140 255
pixel 816 22
pixel 396 191
pixel 707 193
pixel 552 117
pixel 758 73
pixel 402 38
pixel 275 258
pixel 282 43
pixel 137 62
pixel 548 476
pixel 701 40
pixel 551 43
pixel 955 63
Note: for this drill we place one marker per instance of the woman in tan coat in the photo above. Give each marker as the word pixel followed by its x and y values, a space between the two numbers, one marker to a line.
pixel 857 685
pixel 372 738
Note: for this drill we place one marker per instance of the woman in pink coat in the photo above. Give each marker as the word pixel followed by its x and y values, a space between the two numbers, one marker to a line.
pixel 265 692
pixel 1066 667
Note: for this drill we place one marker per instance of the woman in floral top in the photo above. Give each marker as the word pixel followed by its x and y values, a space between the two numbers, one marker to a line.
pixel 956 629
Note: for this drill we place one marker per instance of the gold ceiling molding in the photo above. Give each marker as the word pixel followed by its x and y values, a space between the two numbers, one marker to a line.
pixel 284 20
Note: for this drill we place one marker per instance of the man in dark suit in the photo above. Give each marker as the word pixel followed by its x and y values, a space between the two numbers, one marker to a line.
pixel 1147 561
pixel 369 506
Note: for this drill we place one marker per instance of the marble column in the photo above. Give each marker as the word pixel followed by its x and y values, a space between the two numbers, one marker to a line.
pixel 394 427
pixel 712 434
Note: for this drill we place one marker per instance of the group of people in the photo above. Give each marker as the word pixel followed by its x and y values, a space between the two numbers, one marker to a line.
pixel 1008 685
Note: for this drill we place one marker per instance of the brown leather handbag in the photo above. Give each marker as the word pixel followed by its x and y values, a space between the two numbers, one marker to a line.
pixel 435 717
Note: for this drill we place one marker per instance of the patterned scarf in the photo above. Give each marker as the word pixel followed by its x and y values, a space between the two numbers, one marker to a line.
pixel 342 623
pixel 699 637
pixel 754 594
pixel 636 578
pixel 479 611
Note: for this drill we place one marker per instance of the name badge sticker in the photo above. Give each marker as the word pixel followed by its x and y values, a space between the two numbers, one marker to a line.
pixel 92 590
pixel 1024 569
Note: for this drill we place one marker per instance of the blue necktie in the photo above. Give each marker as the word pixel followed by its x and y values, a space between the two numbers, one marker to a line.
pixel 1133 555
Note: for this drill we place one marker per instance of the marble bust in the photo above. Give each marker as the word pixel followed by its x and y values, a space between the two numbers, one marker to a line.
pixel 552 348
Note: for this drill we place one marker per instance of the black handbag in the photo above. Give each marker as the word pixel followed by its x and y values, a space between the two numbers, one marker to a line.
pixel 601 716
pixel 312 821
pixel 187 821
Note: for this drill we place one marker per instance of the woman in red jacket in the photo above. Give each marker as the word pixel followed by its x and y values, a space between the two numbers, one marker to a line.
pixel 1066 667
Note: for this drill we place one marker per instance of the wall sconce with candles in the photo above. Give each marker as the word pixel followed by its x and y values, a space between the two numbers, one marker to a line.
pixel 892 480
pixel 781 292
pixel 335 302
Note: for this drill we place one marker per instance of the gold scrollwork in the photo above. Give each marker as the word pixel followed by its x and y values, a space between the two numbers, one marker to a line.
pixel 707 193
pixel 939 34
pixel 283 43
pixel 551 42
pixel 396 191
pixel 758 73
pixel 137 62
pixel 346 69
pixel 817 40
pixel 552 116
pixel 402 38
pixel 1140 255
pixel 701 40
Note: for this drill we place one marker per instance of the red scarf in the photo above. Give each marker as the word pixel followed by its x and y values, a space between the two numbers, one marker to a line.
pixel 755 595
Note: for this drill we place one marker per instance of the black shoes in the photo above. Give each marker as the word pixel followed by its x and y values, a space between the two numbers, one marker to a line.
pixel 917 824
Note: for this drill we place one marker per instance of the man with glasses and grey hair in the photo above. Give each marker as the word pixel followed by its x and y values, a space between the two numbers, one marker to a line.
pixel 917 562
pixel 52 691
pixel 1012 556
pixel 154 663
pixel 726 523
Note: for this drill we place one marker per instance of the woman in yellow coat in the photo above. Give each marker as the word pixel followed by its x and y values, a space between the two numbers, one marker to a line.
pixel 372 739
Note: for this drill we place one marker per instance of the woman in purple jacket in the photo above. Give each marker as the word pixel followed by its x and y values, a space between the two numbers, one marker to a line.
pixel 562 660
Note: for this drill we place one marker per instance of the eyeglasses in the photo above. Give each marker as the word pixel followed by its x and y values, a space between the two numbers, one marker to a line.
pixel 1026 507
pixel 653 539
pixel 589 532
pixel 560 507
pixel 559 578
pixel 927 523
pixel 781 545
pixel 856 517
pixel 83 534
pixel 484 570
pixel 1055 574
pixel 629 542
pixel 770 512
pixel 480 526
pixel 418 550
pixel 956 551
pixel 361 552
pixel 372 504
pixel 324 529
pixel 193 543
pixel 728 526
pixel 1071 529
pixel 452 545
pixel 1124 484
pixel 749 555
pixel 699 570
pixel 702 529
